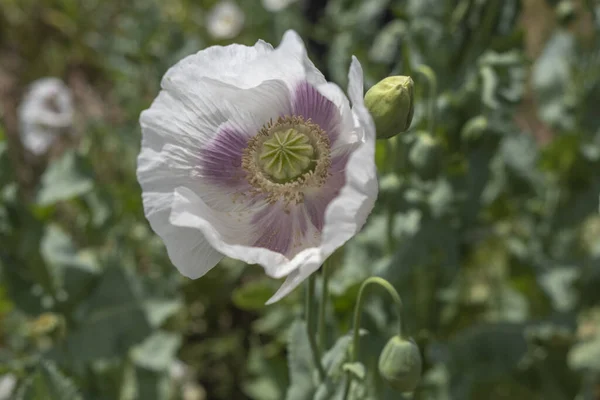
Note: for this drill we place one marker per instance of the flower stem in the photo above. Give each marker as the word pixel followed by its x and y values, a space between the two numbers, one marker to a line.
pixel 323 305
pixel 358 313
pixel 428 73
pixel 310 292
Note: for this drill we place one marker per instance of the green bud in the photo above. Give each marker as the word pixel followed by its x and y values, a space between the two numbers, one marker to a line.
pixel 425 155
pixel 400 364
pixel 391 105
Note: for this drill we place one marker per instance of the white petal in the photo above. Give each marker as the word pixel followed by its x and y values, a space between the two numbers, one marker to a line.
pixel 246 67
pixel 295 278
pixel 188 250
pixel 356 93
pixel 337 97
pixel 290 51
pixel 192 114
pixel 347 213
pixel 232 234
pixel 229 64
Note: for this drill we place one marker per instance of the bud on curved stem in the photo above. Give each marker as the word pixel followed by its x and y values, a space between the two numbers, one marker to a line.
pixel 358 312
pixel 391 104
pixel 400 364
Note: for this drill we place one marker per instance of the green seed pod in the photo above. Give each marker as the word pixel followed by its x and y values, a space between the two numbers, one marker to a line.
pixel 400 364
pixel 425 155
pixel 391 105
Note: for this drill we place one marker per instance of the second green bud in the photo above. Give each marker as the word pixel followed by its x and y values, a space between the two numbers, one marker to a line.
pixel 391 104
pixel 400 364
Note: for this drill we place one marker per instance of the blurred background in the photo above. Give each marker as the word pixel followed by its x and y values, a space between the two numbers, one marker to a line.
pixel 487 221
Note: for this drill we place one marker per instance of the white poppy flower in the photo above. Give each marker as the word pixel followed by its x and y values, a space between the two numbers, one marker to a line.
pixel 248 152
pixel 276 5
pixel 45 112
pixel 225 20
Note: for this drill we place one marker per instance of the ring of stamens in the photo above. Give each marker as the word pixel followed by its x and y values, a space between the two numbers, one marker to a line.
pixel 285 157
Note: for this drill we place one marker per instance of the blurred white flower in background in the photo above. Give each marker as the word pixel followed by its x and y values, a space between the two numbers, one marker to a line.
pixel 45 113
pixel 225 20
pixel 7 386
pixel 276 5
pixel 193 391
pixel 179 371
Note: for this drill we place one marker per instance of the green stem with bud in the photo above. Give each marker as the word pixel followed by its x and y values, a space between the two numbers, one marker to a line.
pixel 428 73
pixel 310 292
pixel 375 280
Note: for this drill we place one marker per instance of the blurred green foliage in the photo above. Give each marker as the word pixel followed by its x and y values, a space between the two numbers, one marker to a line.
pixel 487 221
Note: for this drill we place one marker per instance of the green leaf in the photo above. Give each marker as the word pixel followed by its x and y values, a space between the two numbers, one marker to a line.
pixel 355 368
pixel 72 270
pixel 151 385
pixel 113 320
pixel 48 383
pixel 253 294
pixel 58 250
pixel 302 368
pixel 335 358
pixel 559 284
pixel 269 380
pixel 64 179
pixel 485 352
pixel 333 362
pixel 158 351
pixel 158 310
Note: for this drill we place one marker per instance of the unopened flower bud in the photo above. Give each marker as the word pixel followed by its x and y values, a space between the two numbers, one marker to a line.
pixel 391 105
pixel 400 364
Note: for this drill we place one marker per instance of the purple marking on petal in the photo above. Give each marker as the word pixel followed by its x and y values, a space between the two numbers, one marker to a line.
pixel 309 103
pixel 316 203
pixel 303 224
pixel 275 228
pixel 222 159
